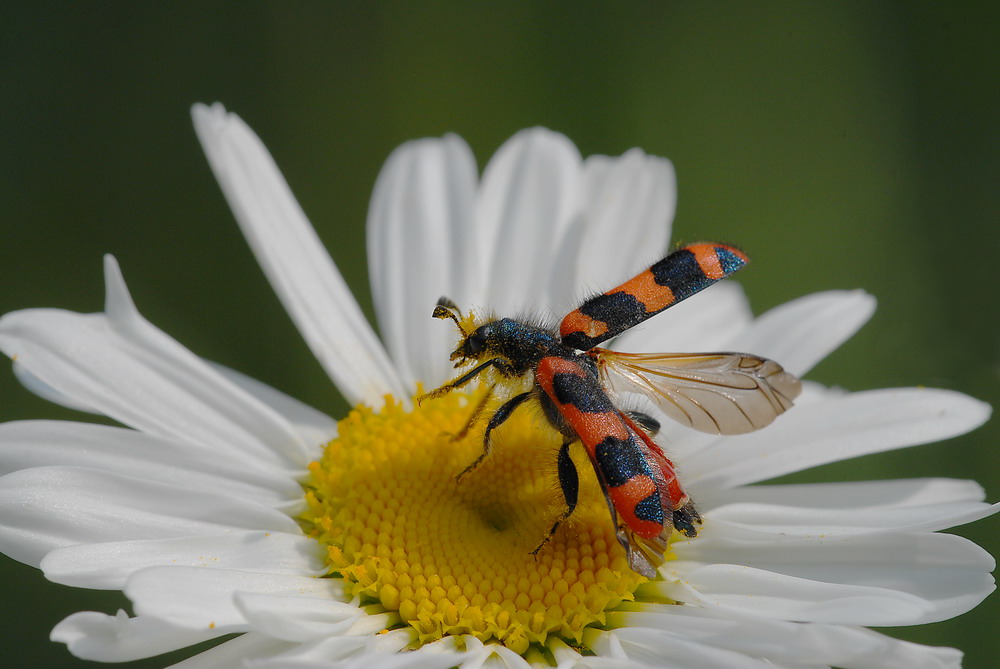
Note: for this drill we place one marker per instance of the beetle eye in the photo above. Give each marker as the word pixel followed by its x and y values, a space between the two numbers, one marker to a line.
pixel 476 342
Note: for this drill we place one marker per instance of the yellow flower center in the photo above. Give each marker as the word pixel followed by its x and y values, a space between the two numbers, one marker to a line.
pixel 455 557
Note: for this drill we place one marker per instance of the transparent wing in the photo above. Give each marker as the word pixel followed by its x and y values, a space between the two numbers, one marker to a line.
pixel 718 393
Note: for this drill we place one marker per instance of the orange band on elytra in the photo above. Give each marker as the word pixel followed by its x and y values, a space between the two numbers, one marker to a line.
pixel 577 321
pixel 625 498
pixel 708 260
pixel 644 288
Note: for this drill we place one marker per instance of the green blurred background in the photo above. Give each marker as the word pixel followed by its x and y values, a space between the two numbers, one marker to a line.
pixel 844 145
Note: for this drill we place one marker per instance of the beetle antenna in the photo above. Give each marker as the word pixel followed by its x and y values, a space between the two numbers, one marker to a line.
pixel 445 308
pixel 448 303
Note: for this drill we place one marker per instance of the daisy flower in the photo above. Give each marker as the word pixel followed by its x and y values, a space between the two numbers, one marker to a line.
pixel 223 507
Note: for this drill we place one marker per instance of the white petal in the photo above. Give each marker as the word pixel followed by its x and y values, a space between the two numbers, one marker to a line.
pixel 127 369
pixel 526 199
pixel 627 206
pixel 422 245
pixel 294 260
pixel 109 565
pixel 236 653
pixel 313 426
pixel 800 333
pixel 743 590
pixel 50 507
pixel 787 642
pixel 836 429
pixel 296 618
pixel 704 322
pixel 377 650
pixel 438 653
pixel 238 413
pixel 103 638
pixel 565 656
pixel 490 656
pixel 199 598
pixel 47 392
pixel 648 648
pixel 604 644
pixel 781 521
pixel 37 443
pixel 868 495
pixel 947 574
pixel 317 654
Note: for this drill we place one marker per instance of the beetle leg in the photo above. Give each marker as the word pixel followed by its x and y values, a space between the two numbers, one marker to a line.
pixel 645 421
pixel 477 413
pixel 569 481
pixel 496 420
pixel 462 380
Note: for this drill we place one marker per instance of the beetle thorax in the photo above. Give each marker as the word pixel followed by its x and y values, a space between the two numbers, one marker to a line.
pixel 520 344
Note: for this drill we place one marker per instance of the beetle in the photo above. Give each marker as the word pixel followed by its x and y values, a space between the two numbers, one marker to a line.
pixel 574 381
